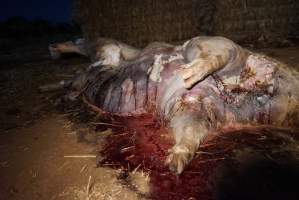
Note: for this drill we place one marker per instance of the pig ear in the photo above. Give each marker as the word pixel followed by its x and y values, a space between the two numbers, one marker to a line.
pixel 54 51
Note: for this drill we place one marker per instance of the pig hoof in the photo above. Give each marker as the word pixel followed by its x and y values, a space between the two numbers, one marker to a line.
pixel 178 158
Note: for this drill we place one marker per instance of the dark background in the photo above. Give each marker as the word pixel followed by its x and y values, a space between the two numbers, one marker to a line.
pixel 52 10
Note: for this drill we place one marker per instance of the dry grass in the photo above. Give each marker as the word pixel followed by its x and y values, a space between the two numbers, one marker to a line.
pixel 110 188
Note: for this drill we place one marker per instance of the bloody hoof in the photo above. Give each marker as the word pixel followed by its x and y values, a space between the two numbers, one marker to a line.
pixel 178 158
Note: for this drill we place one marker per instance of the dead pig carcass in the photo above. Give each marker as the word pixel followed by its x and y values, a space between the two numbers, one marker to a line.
pixel 197 90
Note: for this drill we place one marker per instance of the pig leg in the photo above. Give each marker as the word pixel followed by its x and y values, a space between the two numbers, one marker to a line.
pixel 58 49
pixel 200 68
pixel 188 131
pixel 206 55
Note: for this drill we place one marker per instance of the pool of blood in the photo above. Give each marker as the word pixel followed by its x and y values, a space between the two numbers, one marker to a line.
pixel 142 142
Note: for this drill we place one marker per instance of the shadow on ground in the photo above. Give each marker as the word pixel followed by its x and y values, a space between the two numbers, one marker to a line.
pixel 259 177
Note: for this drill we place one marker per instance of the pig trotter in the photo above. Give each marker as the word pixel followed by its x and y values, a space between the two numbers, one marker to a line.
pixel 178 158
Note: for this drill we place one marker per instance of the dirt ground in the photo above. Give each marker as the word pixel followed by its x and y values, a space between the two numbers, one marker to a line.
pixel 35 137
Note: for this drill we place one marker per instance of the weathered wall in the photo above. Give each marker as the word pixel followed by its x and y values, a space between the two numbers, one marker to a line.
pixel 251 20
pixel 136 21
pixel 141 21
